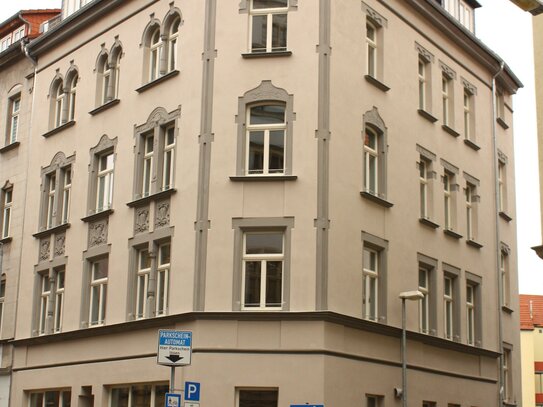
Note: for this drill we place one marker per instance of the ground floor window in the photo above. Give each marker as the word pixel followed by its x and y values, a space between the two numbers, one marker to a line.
pixel 138 395
pixel 53 398
pixel 258 397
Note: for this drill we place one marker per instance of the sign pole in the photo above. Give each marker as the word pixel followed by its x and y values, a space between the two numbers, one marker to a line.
pixel 172 379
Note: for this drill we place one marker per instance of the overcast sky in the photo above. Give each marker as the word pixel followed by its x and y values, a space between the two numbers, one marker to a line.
pixel 508 31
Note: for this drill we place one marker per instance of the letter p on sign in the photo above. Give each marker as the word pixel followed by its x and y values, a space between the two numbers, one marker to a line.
pixel 192 391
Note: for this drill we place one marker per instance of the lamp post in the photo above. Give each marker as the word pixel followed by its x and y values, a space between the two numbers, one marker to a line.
pixel 413 296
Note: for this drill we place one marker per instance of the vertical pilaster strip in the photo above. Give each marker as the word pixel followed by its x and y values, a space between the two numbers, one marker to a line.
pixel 205 140
pixel 322 223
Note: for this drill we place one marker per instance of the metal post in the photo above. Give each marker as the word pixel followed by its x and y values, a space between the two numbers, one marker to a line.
pixel 172 380
pixel 404 359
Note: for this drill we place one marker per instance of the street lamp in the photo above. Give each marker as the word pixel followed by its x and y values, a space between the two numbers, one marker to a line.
pixel 412 296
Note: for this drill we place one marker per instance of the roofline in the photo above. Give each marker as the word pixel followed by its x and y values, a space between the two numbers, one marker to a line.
pixel 510 80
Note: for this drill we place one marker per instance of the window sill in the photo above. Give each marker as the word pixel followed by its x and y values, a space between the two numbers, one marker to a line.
pixel 154 197
pixel 377 83
pixel 450 130
pixel 50 231
pixel 59 129
pixel 452 233
pixel 155 82
pixel 505 216
pixel 97 215
pixel 6 240
pixel 471 144
pixel 263 178
pixel 376 199
pixel 473 243
pixel 507 309
pixel 105 106
pixel 9 147
pixel 428 116
pixel 429 223
pixel 502 123
pixel 250 55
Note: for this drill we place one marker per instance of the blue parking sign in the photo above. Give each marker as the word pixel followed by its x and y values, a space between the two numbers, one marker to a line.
pixel 192 391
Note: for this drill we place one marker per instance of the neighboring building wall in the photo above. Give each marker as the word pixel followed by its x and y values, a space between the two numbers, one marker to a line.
pixel 325 208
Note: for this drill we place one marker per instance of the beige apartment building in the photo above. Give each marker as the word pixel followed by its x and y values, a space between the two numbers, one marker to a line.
pixel 270 175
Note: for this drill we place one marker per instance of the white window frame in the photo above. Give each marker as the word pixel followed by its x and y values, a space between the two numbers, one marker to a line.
pixel 64 398
pixel 15 108
pixel 2 299
pixel 467 108
pixel 51 199
pixel 59 105
pixel 470 193
pixel 470 314
pixel 447 199
pixel 501 186
pixel 424 303
pixel 369 154
pixel 263 258
pixel 66 194
pixel 448 307
pixel 105 177
pixel 173 37
pixel 163 280
pixel 266 129
pixel 422 74
pixel 130 389
pixel 372 49
pixel 269 13
pixel 446 83
pixel 7 208
pixel 155 53
pixel 101 283
pixel 147 170
pixel 424 189
pixel 71 97
pixel 45 297
pixel 371 284
pixel 142 283
pixel 59 300
pixel 255 389
pixel 168 158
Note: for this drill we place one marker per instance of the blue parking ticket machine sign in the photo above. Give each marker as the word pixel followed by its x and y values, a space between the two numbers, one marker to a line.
pixel 174 347
pixel 192 391
pixel 173 400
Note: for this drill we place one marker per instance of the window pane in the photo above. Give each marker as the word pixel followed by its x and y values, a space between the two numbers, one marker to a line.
pixel 277 151
pixel 66 398
pixel 100 269
pixel 267 114
pixel 257 243
pixel 167 169
pixel 258 398
pixel 260 27
pixel 160 395
pixel 370 140
pixel 119 397
pixel 51 398
pixel 36 400
pixel 256 152
pixel 141 396
pixel 252 283
pixel 279 32
pixel 372 173
pixel 164 254
pixel 258 4
pixel 273 283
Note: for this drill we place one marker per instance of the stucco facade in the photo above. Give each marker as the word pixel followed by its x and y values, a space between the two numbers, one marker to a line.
pixel 180 130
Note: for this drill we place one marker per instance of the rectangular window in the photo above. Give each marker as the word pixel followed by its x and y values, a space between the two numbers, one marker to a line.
pixel 266 131
pixel 424 195
pixel 56 197
pixel 163 279
pixel 446 96
pixel 502 195
pixel 373 400
pixel 147 164
pixel 447 198
pixel 428 404
pixel 371 284
pixel 98 291
pixel 138 395
pixel 504 272
pixel 268 22
pixel 45 296
pixel 258 397
pixel 507 376
pixel 539 382
pixel 168 158
pixel 371 42
pixel 262 276
pixel 448 307
pixel 104 192
pixel 14 109
pixel 51 398
pixel 2 299
pixel 424 303
pixel 468 116
pixel 371 159
pixel 470 311
pixel 472 207
pixel 59 300
pixel 422 83
pixel 143 272
pixel 7 206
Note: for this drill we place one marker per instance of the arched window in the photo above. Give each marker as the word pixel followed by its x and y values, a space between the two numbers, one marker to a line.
pixel 71 92
pixel 155 51
pixel 172 44
pixel 58 103
pixel 105 72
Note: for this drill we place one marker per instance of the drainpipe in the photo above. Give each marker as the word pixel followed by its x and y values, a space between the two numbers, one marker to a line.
pixel 498 241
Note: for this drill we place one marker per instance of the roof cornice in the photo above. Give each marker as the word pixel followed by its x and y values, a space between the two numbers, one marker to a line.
pixel 69 26
pixel 480 52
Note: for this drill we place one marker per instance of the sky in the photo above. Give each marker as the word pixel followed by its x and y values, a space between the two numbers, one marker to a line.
pixel 508 31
